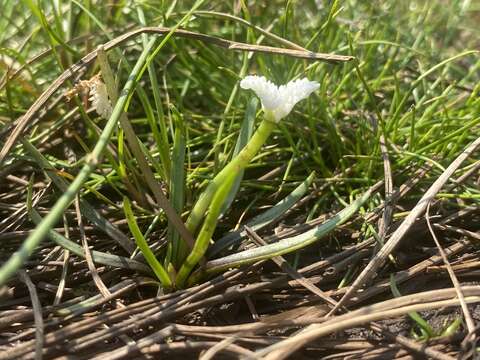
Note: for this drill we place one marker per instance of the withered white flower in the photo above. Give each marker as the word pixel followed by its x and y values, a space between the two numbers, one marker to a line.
pixel 278 101
pixel 99 98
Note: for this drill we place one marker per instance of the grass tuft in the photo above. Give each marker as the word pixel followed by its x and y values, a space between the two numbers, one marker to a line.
pixel 187 162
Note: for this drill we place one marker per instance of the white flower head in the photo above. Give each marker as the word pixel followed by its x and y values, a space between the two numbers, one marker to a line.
pixel 99 98
pixel 279 100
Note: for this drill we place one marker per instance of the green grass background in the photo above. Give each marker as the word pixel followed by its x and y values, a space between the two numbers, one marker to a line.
pixel 416 81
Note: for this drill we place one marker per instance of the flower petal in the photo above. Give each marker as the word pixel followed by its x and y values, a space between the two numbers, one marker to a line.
pixel 265 90
pixel 300 89
pixel 279 101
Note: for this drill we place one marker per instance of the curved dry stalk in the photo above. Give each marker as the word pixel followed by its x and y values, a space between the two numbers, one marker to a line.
pixel 387 309
pixel 372 267
pixel 218 347
pixel 188 346
pixel 239 20
pixel 466 313
pixel 37 313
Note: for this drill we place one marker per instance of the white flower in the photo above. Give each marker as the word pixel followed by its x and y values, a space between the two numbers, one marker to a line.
pixel 279 100
pixel 99 98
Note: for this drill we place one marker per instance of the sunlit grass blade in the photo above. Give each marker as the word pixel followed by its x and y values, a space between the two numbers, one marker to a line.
pixel 155 265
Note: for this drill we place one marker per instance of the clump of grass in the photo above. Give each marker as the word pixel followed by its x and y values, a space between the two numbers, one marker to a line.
pixel 157 173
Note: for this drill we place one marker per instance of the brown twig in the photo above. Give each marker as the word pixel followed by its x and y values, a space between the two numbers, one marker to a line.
pixel 386 309
pixel 464 232
pixel 451 273
pixel 188 346
pixel 88 255
pixel 388 208
pixel 37 313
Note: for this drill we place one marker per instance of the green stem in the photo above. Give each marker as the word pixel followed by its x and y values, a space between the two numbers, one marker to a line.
pixel 206 232
pixel 238 163
pixel 41 231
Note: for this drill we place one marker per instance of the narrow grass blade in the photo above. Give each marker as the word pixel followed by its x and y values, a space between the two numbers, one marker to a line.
pixel 177 189
pixel 160 134
pixel 415 316
pixel 157 268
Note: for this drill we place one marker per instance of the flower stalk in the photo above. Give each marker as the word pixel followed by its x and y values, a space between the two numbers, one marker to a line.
pixel 277 102
pixel 214 197
pixel 238 163
pixel 206 232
